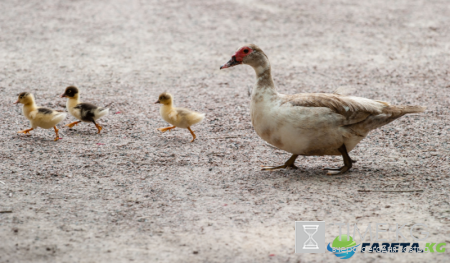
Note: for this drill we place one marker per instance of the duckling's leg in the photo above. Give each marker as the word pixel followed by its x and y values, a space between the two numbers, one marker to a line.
pixel 193 134
pixel 70 125
pixel 166 129
pixel 27 131
pixel 347 163
pixel 99 128
pixel 57 134
pixel 289 163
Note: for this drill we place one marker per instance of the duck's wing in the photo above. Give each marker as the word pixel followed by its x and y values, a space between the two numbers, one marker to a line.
pixel 183 112
pixel 45 111
pixel 47 115
pixel 355 114
pixel 354 109
pixel 188 117
pixel 87 111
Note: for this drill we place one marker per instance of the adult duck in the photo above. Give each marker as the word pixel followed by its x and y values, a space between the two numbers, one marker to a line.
pixel 311 124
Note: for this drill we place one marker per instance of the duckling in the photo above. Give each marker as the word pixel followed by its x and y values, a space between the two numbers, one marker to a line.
pixel 39 116
pixel 178 117
pixel 83 111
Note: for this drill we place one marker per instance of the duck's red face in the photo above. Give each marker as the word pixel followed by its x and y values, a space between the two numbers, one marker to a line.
pixel 238 57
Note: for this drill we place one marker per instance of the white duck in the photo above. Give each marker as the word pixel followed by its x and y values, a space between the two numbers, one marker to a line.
pixel 39 116
pixel 86 112
pixel 311 123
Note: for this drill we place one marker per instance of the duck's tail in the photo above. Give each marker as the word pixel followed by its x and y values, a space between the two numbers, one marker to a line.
pixel 59 117
pixel 101 112
pixel 388 114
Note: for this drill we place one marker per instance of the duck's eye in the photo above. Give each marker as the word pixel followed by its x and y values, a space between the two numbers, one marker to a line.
pixel 245 51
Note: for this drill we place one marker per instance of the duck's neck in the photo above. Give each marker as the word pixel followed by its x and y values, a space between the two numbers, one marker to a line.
pixel 72 102
pixel 29 107
pixel 167 107
pixel 264 81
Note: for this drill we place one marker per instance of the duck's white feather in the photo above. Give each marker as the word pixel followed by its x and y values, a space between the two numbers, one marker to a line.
pixel 315 123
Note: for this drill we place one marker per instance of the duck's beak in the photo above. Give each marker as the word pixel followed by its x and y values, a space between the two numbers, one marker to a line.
pixel 231 63
pixel 16 102
pixel 63 96
pixel 157 102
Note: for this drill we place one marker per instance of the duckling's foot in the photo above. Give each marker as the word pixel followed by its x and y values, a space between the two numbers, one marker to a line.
pixel 347 163
pixel 192 133
pixel 27 131
pixel 166 129
pixel 57 134
pixel 288 164
pixel 70 125
pixel 99 128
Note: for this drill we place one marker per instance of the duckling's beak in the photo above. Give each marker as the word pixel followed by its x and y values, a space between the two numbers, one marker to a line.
pixel 16 102
pixel 63 96
pixel 157 102
pixel 231 63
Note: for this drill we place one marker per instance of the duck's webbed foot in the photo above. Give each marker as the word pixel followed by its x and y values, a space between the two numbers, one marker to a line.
pixel 70 125
pixel 99 128
pixel 347 163
pixel 192 133
pixel 56 132
pixel 288 164
pixel 166 129
pixel 27 131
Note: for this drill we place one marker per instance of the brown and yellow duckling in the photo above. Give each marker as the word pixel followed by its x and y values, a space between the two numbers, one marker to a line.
pixel 85 112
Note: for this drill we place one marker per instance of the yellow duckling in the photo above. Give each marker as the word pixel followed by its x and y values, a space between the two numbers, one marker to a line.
pixel 39 116
pixel 178 117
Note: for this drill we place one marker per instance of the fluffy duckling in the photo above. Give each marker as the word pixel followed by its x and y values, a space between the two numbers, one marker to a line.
pixel 83 111
pixel 178 117
pixel 39 116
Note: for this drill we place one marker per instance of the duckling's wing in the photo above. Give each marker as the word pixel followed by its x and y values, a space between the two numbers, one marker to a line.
pixel 183 112
pixel 190 117
pixel 49 114
pixel 45 117
pixel 87 111
pixel 44 111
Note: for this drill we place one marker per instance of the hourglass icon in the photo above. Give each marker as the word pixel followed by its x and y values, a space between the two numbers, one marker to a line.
pixel 310 230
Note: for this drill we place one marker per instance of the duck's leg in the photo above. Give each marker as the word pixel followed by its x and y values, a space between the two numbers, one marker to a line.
pixel 70 125
pixel 347 162
pixel 27 131
pixel 99 128
pixel 57 134
pixel 289 163
pixel 193 134
pixel 166 129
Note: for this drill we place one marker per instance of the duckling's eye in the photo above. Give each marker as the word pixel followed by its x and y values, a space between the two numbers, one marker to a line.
pixel 245 51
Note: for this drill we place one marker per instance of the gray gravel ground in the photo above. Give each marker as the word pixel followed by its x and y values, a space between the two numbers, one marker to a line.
pixel 133 194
